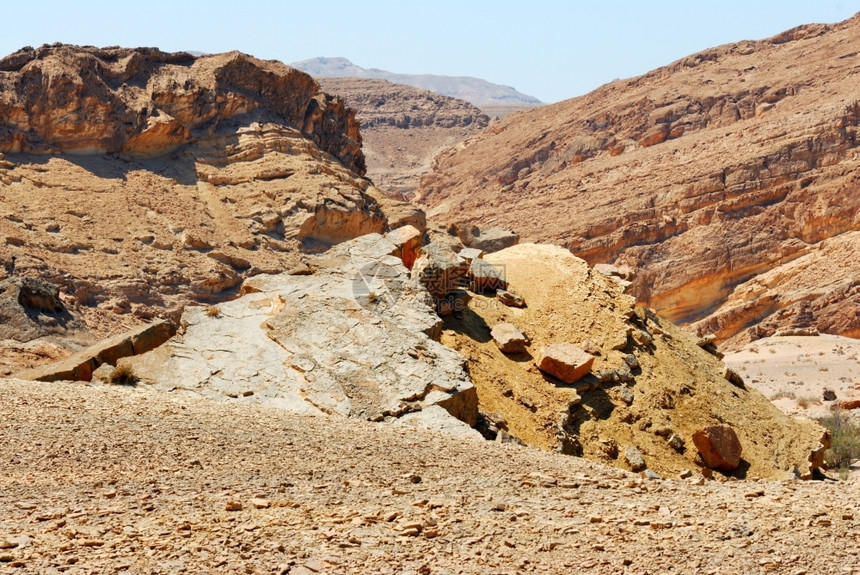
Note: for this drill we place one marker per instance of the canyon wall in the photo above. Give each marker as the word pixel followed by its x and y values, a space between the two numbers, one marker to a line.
pixel 702 175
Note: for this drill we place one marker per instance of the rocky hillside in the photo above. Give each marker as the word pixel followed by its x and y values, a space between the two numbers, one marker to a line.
pixel 649 388
pixel 404 128
pixel 140 181
pixel 727 180
pixel 475 90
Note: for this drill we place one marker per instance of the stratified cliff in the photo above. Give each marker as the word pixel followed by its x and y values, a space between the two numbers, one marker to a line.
pixel 403 128
pixel 144 102
pixel 703 175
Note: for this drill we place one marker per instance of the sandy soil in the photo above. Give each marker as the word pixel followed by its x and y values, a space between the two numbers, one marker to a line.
pixel 794 371
pixel 129 480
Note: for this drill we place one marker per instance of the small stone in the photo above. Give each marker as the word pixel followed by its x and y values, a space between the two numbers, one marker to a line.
pixel 648 474
pixel 595 519
pixel 631 361
pixel 510 299
pixel 634 459
pixel 849 404
pixel 676 443
pixel 233 506
pixel 5 544
pixel 626 395
pixel 259 503
pixel 686 474
pixel 6 558
pixel 509 338
pixel 829 395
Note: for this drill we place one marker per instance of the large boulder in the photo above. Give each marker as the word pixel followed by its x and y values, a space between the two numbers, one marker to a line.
pixel 438 269
pixel 487 277
pixel 489 240
pixel 31 308
pixel 355 338
pixel 407 240
pixel 80 365
pixel 565 361
pixel 719 447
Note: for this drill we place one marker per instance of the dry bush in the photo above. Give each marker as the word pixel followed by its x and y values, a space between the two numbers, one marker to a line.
pixel 213 311
pixel 123 375
pixel 808 400
pixel 782 394
pixel 844 442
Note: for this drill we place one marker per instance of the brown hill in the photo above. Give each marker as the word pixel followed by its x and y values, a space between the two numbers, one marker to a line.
pixel 649 380
pixel 404 128
pixel 711 176
pixel 140 181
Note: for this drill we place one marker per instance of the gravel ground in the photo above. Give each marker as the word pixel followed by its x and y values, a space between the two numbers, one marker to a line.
pixel 130 480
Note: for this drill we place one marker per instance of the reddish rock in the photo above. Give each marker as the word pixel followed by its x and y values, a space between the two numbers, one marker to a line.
pixel 719 446
pixel 408 242
pixel 509 338
pixel 565 361
pixel 848 404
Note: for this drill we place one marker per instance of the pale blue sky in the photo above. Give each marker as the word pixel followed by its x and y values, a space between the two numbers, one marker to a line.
pixel 550 49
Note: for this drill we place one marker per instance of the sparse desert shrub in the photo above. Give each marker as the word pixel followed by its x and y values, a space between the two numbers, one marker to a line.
pixel 754 349
pixel 213 311
pixel 123 375
pixel 823 368
pixel 807 400
pixel 782 394
pixel 844 441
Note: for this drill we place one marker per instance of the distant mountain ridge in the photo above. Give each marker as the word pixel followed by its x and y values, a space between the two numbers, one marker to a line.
pixel 475 90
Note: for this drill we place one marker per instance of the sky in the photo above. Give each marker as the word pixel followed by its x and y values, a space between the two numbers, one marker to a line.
pixel 550 49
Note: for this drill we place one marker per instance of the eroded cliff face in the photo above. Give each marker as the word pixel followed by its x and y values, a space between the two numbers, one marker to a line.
pixel 403 128
pixel 139 181
pixel 702 175
pixel 144 102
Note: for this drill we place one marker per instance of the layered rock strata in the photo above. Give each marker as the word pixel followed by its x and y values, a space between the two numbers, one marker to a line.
pixel 403 128
pixel 709 177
